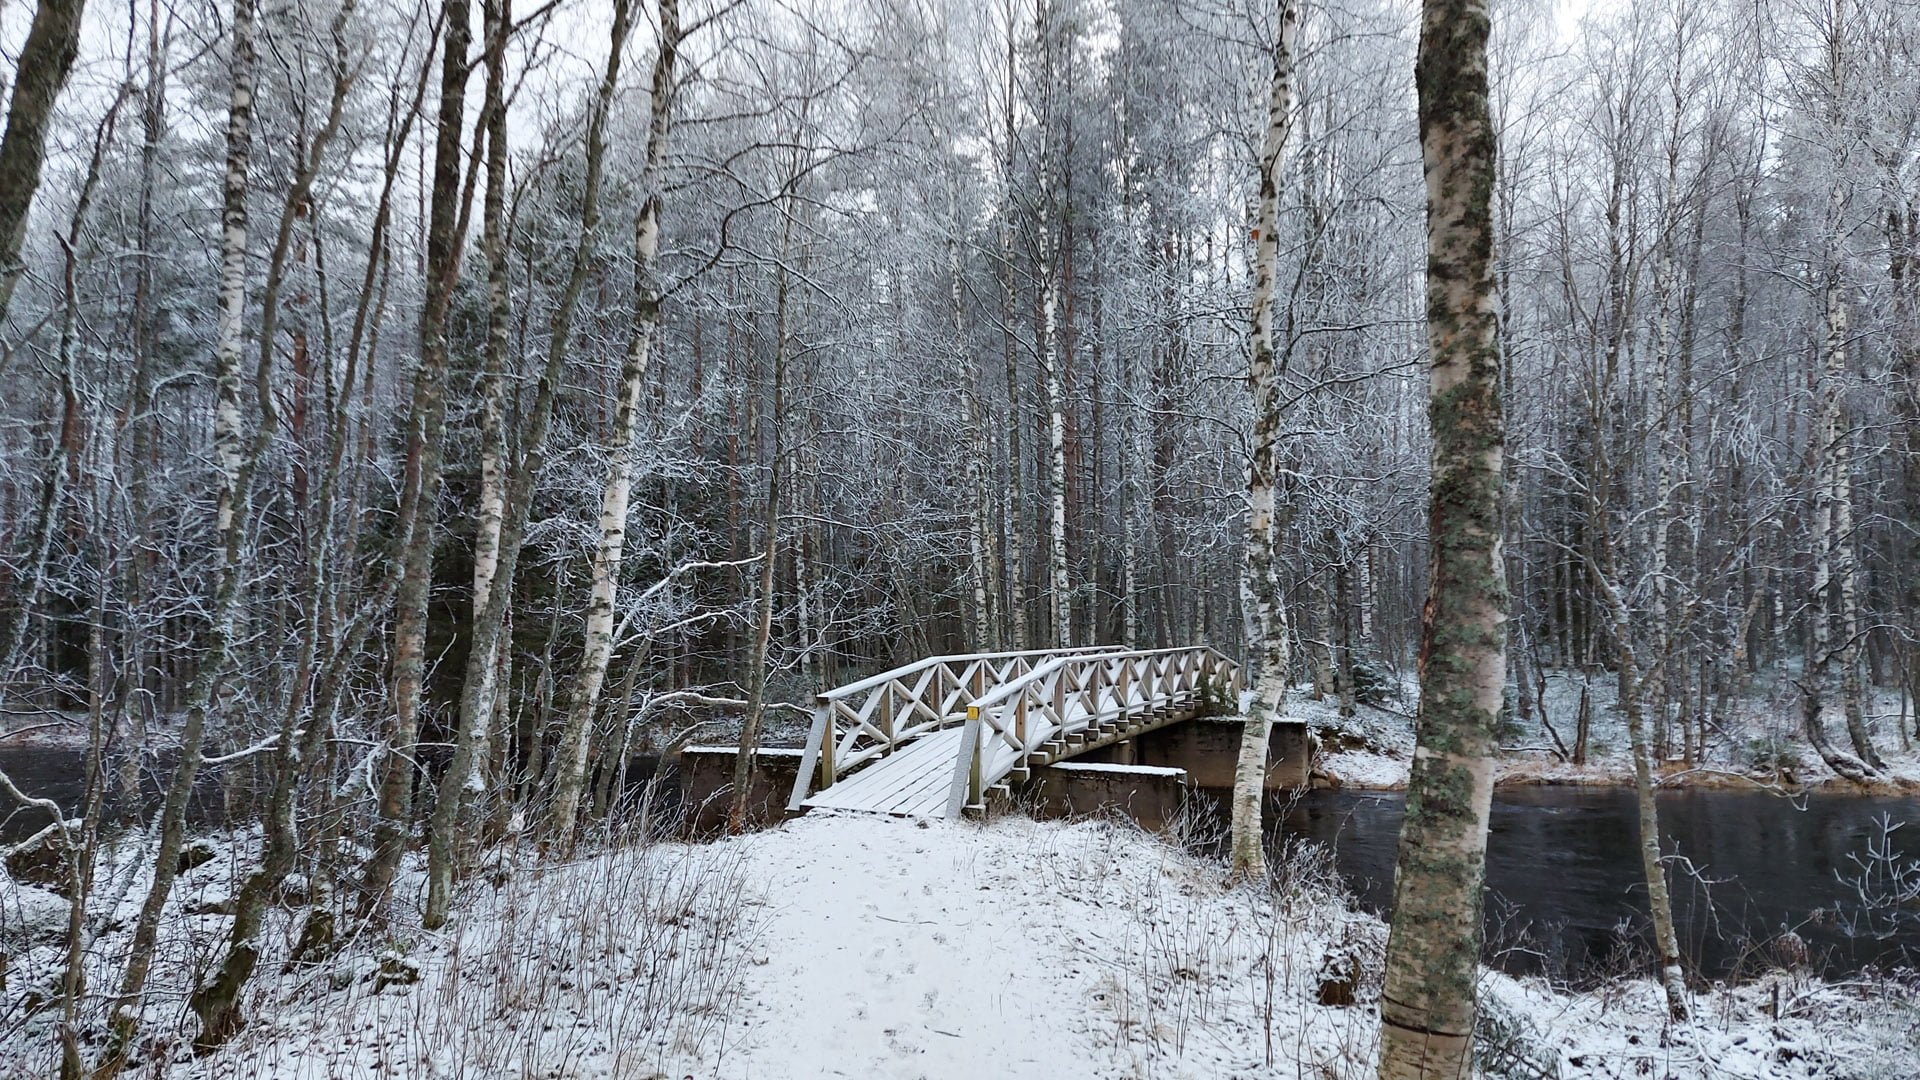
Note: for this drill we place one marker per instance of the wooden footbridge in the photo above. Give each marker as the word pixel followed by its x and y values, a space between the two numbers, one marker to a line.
pixel 933 738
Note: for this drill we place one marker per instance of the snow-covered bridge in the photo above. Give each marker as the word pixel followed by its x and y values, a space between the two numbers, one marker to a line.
pixel 932 738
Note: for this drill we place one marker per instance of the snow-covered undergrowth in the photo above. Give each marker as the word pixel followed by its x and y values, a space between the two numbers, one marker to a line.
pixel 874 947
pixel 1855 1031
pixel 602 967
pixel 605 967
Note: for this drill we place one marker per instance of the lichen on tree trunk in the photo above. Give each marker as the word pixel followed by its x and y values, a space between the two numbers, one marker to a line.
pixel 1427 1001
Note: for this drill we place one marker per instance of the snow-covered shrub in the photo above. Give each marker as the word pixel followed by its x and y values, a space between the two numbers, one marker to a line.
pixel 1507 1045
pixel 1771 754
pixel 1373 684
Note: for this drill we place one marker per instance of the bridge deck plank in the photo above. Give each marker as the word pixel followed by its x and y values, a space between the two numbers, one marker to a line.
pixel 893 783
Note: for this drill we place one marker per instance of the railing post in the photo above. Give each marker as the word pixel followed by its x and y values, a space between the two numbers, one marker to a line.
pixel 976 784
pixel 819 750
pixel 886 717
pixel 967 780
pixel 827 750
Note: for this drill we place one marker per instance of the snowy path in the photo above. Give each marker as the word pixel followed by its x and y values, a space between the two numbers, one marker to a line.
pixel 887 955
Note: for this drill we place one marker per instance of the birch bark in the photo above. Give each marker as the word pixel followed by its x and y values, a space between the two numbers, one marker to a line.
pixel 1433 951
pixel 1059 600
pixel 217 1000
pixel 1048 228
pixel 480 688
pixel 235 460
pixel 1268 631
pixel 496 18
pixel 618 487
pixel 1824 690
pixel 420 480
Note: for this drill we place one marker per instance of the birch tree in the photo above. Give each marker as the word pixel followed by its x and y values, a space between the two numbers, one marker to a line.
pixel 425 434
pixel 617 490
pixel 1051 33
pixel 1268 631
pixel 497 21
pixel 481 685
pixel 217 1000
pixel 235 457
pixel 1433 950
pixel 1832 689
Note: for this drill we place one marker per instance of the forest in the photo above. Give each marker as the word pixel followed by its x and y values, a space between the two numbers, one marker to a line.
pixel 423 420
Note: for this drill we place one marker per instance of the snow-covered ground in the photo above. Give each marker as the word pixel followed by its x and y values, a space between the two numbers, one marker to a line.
pixel 856 946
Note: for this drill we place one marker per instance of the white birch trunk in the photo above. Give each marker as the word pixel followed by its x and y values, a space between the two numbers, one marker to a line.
pixel 980 620
pixel 1823 695
pixel 1268 633
pixel 235 464
pixel 1427 998
pixel 1059 602
pixel 492 513
pixel 479 689
pixel 617 490
pixel 1846 571
pixel 1365 588
pixel 1666 941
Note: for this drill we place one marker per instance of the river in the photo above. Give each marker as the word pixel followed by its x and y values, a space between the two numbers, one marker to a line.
pixel 1563 875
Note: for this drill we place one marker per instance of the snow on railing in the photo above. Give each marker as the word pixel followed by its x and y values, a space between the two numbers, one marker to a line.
pixel 863 720
pixel 1078 697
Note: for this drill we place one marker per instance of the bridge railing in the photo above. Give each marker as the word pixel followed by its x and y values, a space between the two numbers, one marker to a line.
pixel 856 723
pixel 1072 696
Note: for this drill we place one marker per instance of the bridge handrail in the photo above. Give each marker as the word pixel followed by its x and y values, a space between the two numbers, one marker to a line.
pixel 872 681
pixel 830 752
pixel 973 772
pixel 1008 689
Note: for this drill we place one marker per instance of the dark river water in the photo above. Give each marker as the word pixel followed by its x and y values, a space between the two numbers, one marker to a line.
pixel 55 772
pixel 1563 875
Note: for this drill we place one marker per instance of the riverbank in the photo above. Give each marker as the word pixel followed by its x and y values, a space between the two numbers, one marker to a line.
pixel 1376 770
pixel 1757 743
pixel 878 947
